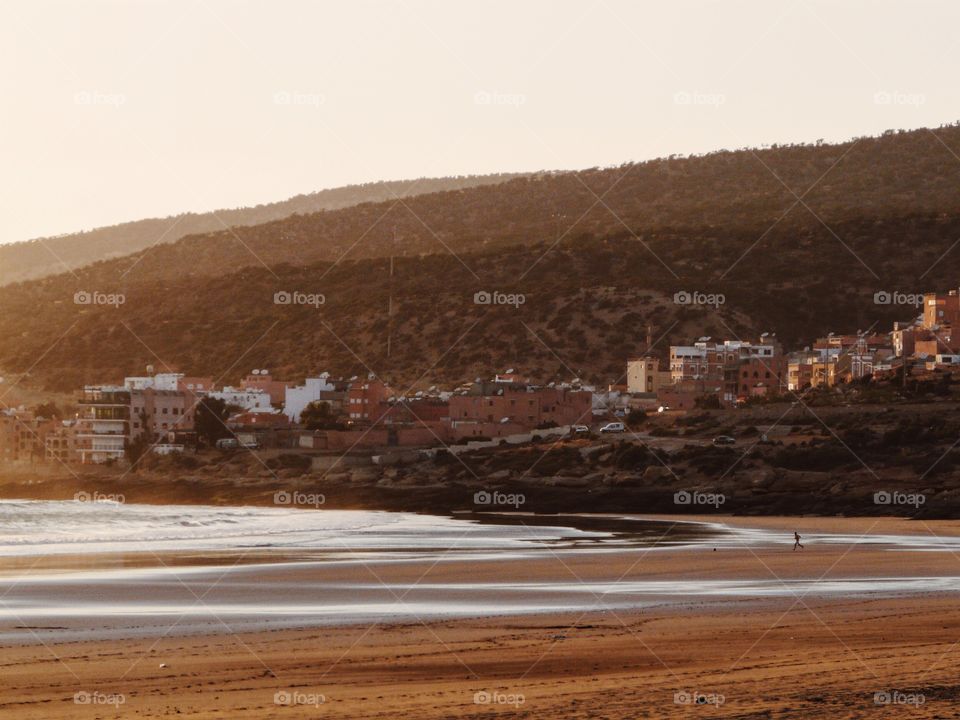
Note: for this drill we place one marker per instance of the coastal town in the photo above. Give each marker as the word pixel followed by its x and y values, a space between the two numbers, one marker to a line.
pixel 161 413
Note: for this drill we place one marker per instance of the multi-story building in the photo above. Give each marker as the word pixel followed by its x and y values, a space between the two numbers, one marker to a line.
pixel 364 400
pixel 902 339
pixel 693 362
pixel 755 377
pixel 712 364
pixel 21 435
pixel 941 310
pixel 262 380
pixel 800 369
pixel 103 423
pixel 111 417
pixel 520 405
pixel 645 376
pixel 930 342
pixel 60 442
pixel 154 414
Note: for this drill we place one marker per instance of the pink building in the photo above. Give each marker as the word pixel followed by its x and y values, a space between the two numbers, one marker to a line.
pixel 520 407
pixel 262 380
pixel 155 413
pixel 364 400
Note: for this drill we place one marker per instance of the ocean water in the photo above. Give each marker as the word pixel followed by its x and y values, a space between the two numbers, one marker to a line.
pixel 74 570
pixel 31 528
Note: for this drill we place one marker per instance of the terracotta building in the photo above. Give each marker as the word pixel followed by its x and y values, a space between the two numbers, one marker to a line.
pixel 941 309
pixel 364 400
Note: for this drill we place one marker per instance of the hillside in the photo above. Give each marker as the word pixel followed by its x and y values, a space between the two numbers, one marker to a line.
pixel 586 307
pixel 889 176
pixel 887 218
pixel 53 255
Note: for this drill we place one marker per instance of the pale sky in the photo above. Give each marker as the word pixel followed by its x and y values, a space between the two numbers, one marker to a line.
pixel 117 110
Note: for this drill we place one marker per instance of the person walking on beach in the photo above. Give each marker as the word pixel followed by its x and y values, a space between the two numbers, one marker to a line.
pixel 796 540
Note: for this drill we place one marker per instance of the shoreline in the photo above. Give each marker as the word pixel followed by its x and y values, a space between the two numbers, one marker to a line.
pixel 814 648
pixel 138 594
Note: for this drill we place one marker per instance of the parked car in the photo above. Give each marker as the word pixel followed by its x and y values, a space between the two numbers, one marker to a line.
pixel 580 430
pixel 227 443
pixel 724 440
pixel 614 427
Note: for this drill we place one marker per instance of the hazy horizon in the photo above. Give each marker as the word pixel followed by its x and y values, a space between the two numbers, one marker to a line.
pixel 120 112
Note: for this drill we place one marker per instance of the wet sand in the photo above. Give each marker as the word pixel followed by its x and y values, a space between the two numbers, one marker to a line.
pixel 806 653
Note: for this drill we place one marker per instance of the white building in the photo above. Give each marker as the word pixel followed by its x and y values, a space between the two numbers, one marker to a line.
pixel 250 400
pixel 297 398
pixel 160 381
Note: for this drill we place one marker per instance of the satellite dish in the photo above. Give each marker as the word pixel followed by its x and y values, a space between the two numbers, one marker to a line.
pixel 149 368
pixel 265 371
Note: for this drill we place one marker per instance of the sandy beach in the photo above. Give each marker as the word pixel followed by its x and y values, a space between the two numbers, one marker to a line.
pixel 813 649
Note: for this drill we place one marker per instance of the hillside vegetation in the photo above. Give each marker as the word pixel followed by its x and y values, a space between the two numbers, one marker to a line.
pixel 891 176
pixel 53 255
pixel 885 217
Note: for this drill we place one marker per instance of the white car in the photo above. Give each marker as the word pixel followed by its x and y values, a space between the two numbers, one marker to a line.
pixel 614 427
pixel 580 430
